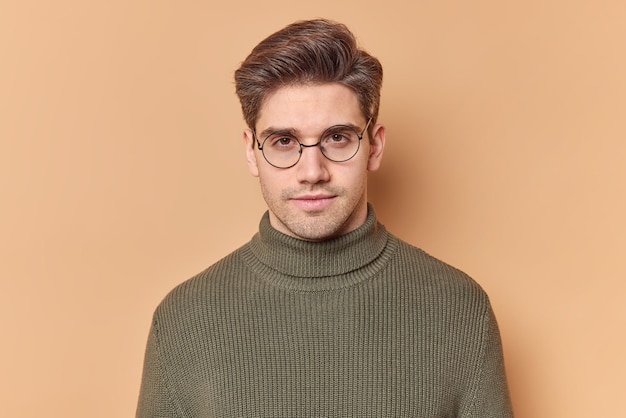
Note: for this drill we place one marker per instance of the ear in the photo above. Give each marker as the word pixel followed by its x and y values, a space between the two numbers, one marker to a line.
pixel 250 143
pixel 377 146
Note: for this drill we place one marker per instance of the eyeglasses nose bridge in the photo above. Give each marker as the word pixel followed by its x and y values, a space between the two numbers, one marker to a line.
pixel 317 144
pixel 309 146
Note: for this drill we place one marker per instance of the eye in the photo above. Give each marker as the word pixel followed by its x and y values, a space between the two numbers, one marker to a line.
pixel 339 138
pixel 281 142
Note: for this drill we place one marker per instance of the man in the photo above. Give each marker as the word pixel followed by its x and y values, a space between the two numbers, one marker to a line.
pixel 323 313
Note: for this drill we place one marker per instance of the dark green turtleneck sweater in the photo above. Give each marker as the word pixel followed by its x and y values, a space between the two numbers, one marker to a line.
pixel 363 325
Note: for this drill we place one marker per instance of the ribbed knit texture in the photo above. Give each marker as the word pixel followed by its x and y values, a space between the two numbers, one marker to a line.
pixel 364 325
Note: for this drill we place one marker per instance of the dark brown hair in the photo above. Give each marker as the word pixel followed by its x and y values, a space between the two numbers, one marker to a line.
pixel 308 52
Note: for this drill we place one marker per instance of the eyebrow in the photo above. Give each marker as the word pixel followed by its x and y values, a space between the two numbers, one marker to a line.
pixel 278 131
pixel 294 132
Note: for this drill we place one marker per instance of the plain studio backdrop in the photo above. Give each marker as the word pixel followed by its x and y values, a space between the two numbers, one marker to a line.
pixel 122 174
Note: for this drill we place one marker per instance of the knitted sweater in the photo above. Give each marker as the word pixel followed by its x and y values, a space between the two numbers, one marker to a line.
pixel 364 325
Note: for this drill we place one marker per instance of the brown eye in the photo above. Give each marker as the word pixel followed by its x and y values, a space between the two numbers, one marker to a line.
pixel 281 142
pixel 338 139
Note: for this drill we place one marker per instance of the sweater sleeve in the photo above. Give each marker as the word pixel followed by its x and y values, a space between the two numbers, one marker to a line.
pixel 489 392
pixel 155 399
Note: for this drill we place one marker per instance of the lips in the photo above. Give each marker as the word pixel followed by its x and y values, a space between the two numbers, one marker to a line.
pixel 313 202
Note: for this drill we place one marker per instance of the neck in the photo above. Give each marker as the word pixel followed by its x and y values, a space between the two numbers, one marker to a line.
pixel 332 263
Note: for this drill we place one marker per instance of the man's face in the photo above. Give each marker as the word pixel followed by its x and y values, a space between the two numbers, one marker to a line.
pixel 316 199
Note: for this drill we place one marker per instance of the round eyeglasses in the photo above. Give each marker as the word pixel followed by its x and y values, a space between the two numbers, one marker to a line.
pixel 338 143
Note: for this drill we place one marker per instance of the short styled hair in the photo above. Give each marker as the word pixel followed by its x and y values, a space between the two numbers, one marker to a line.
pixel 308 52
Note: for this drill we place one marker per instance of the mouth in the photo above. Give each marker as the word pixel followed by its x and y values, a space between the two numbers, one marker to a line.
pixel 313 203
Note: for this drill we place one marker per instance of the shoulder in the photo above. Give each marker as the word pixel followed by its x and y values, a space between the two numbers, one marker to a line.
pixel 432 278
pixel 215 284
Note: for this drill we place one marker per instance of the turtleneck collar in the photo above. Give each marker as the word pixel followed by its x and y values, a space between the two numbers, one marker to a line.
pixel 334 263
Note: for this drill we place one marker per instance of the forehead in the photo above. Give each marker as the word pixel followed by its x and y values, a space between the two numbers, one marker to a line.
pixel 310 107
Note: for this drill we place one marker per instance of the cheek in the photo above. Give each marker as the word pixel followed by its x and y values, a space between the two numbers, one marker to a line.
pixel 361 165
pixel 352 177
pixel 271 183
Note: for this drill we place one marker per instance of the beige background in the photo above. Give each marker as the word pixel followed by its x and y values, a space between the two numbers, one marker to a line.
pixel 122 174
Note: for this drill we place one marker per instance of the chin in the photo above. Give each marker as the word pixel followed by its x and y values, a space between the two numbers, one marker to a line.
pixel 319 229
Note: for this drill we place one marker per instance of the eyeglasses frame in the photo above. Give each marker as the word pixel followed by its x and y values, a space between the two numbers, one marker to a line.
pixel 317 144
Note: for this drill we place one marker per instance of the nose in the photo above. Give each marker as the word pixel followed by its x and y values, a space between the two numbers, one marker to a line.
pixel 313 166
